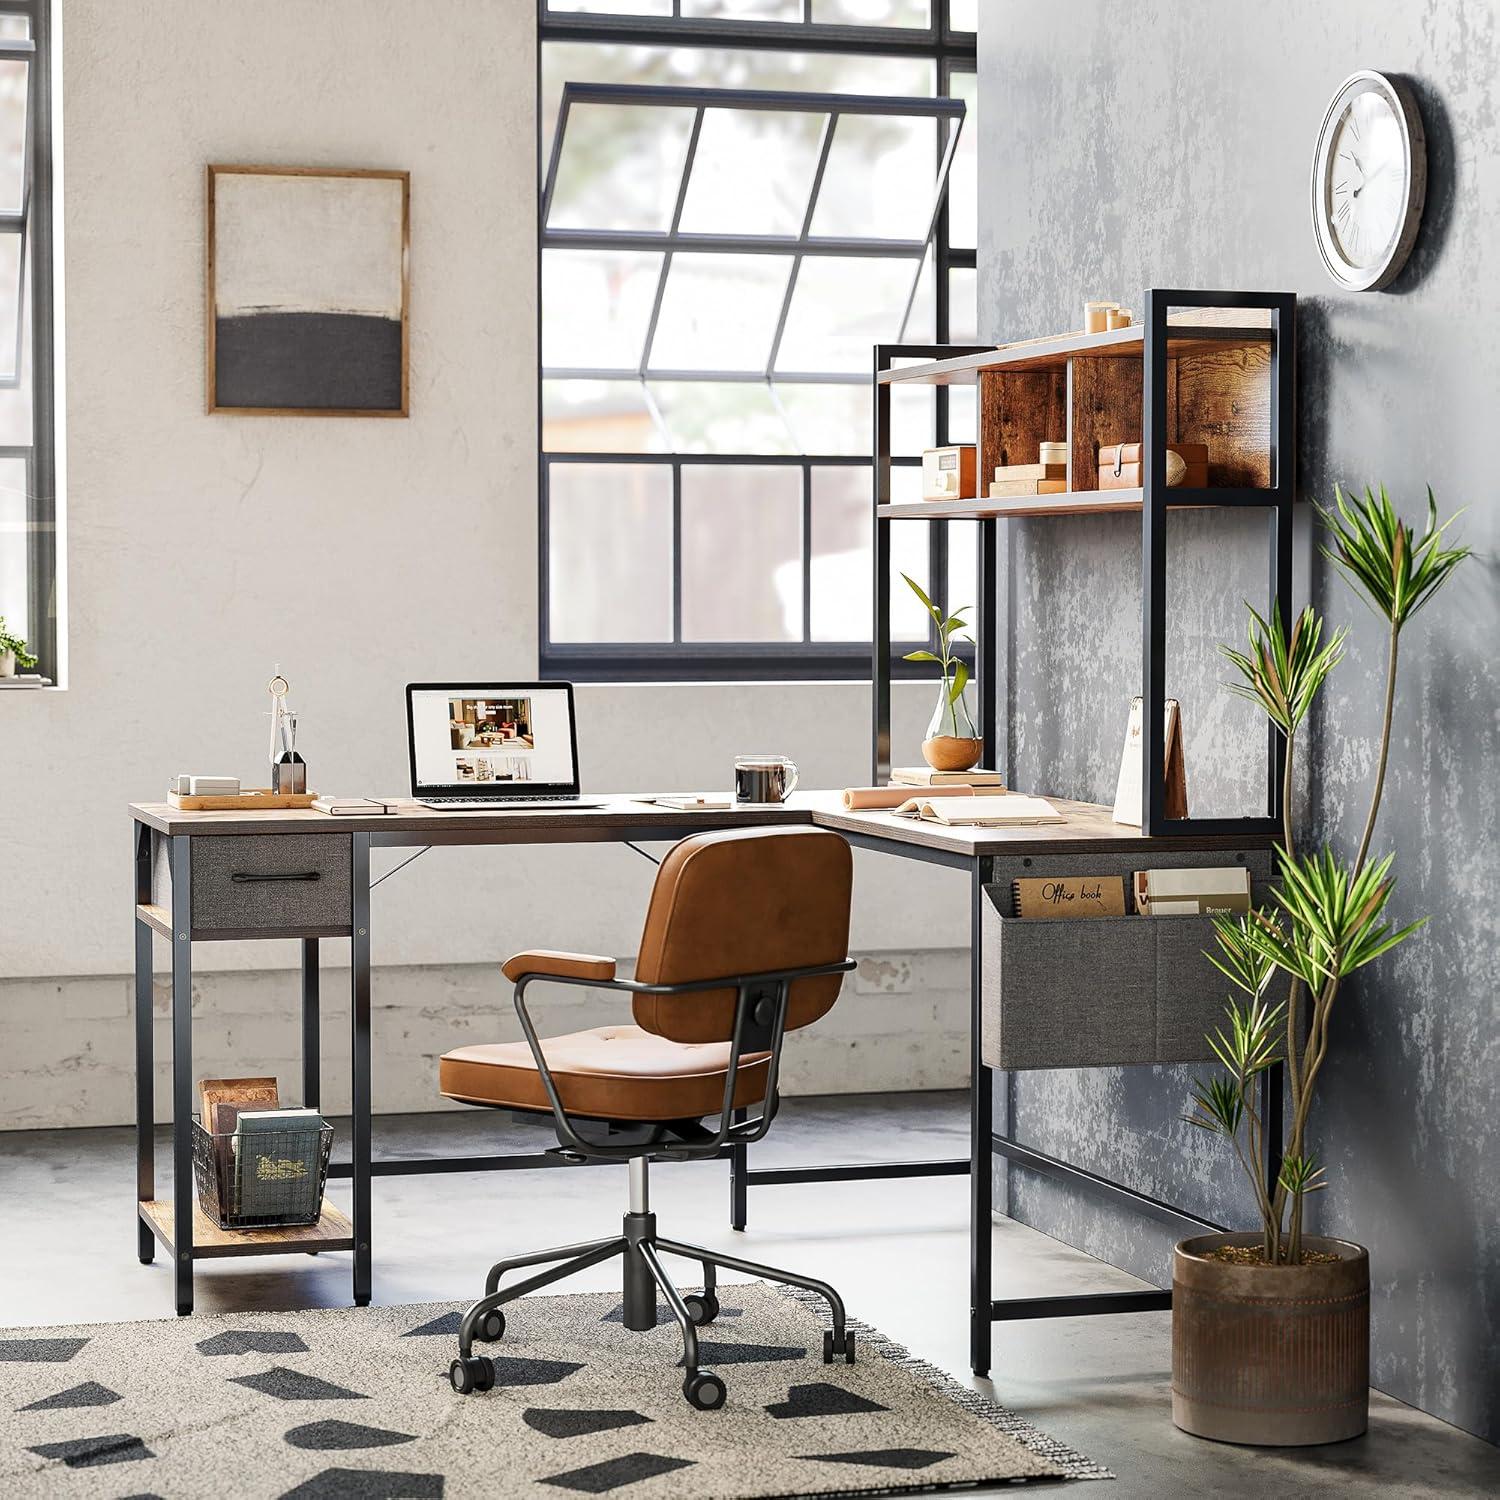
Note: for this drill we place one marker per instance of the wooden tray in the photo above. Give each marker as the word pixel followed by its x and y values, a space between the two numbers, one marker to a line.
pixel 256 799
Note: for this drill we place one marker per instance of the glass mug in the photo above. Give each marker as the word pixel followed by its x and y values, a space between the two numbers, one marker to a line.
pixel 763 778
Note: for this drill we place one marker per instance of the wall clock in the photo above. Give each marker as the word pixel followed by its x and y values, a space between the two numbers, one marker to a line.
pixel 1369 181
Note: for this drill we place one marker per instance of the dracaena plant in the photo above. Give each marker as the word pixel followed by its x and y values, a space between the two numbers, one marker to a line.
pixel 1326 917
pixel 955 669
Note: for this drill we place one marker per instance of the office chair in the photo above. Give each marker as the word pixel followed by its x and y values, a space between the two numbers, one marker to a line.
pixel 746 937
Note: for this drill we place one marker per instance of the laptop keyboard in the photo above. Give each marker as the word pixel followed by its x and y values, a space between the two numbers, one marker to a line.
pixel 503 801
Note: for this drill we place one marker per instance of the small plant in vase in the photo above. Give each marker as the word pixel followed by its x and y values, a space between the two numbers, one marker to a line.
pixel 952 743
pixel 1271 1327
pixel 13 652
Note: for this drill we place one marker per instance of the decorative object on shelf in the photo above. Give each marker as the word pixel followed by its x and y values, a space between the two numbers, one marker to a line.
pixel 1052 452
pixel 1191 892
pixel 928 777
pixel 1051 898
pixel 1369 180
pixel 307 291
pixel 1300 1302
pixel 1096 316
pixel 1049 477
pixel 764 778
pixel 950 473
pixel 1130 787
pixel 13 652
pixel 247 799
pixel 1118 317
pixel 1120 466
pixel 288 769
pixel 952 743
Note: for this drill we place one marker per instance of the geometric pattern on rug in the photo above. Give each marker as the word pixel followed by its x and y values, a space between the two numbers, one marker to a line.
pixel 354 1404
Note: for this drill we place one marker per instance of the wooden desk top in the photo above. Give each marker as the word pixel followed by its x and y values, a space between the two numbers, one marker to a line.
pixel 1089 826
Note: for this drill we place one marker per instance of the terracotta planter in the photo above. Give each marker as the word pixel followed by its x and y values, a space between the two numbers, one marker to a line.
pixel 1272 1355
pixel 950 752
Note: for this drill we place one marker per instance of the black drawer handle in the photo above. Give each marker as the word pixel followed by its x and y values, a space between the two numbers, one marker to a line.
pixel 240 878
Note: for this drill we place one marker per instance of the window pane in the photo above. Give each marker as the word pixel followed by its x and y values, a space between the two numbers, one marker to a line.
pixel 872 12
pixel 596 306
pixel 880 178
pixel 841 559
pixel 741 553
pixel 842 305
pixel 621 167
pixel 910 554
pixel 719 312
pixel 913 418
pixel 752 172
pixel 10 307
pixel 963 175
pixel 745 10
pixel 16 428
pixel 963 15
pixel 13 81
pixel 721 417
pixel 827 419
pixel 15 28
pixel 15 602
pixel 963 306
pixel 614 7
pixel 610 552
pixel 963 414
pixel 598 416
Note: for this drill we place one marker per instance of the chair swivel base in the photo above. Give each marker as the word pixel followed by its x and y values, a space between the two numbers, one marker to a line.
pixel 641 1249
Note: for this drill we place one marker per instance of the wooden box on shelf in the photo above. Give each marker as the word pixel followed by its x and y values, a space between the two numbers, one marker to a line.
pixel 1120 466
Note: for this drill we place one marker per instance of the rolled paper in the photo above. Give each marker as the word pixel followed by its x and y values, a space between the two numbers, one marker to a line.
pixel 868 798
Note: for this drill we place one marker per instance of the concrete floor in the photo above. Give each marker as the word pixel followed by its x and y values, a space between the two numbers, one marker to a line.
pixel 897 1250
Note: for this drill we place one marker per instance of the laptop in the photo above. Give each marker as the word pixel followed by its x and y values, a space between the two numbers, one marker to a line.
pixel 488 745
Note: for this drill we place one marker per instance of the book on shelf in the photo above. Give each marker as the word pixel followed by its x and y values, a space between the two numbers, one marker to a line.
pixel 1024 473
pixel 926 776
pixel 277 1163
pixel 1014 488
pixel 1192 892
pixel 220 1101
pixel 1060 896
pixel 1009 811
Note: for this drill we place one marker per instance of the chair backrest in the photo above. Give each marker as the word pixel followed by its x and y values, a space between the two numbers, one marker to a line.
pixel 743 902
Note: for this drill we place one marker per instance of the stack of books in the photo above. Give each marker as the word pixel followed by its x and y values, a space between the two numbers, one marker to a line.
pixel 267 1159
pixel 1029 479
pixel 926 776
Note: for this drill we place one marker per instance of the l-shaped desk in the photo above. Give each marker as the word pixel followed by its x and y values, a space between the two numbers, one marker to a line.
pixel 203 876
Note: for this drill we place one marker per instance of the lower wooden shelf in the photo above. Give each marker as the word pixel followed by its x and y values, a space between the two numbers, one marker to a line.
pixel 333 1231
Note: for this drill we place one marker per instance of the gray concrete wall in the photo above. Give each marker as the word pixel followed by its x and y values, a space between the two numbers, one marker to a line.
pixel 1170 145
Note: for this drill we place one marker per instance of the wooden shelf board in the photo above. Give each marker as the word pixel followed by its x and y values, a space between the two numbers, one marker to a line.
pixel 1053 353
pixel 1070 503
pixel 332 1232
pixel 155 916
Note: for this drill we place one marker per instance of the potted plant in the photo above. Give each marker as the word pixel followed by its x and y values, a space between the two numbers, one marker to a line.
pixel 1271 1328
pixel 13 652
pixel 952 743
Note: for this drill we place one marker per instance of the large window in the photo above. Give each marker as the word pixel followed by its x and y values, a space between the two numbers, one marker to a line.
pixel 740 198
pixel 28 541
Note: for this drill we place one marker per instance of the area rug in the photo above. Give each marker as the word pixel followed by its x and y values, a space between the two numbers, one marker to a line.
pixel 355 1403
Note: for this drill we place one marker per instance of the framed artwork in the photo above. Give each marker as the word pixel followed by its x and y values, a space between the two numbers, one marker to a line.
pixel 308 291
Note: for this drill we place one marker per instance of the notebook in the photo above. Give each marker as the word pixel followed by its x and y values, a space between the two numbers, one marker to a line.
pixel 1010 811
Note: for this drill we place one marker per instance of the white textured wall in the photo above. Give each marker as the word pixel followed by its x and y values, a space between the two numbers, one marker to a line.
pixel 357 553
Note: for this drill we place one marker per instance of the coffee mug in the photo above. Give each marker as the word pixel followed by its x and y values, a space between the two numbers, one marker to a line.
pixel 763 778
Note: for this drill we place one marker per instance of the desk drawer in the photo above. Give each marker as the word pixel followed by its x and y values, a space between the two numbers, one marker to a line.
pixel 261 884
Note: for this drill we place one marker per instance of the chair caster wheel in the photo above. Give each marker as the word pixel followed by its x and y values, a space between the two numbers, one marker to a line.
pixel 703 1308
pixel 704 1390
pixel 491 1327
pixel 473 1374
pixel 844 1346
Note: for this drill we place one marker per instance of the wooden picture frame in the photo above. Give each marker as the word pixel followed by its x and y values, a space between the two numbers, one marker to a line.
pixel 284 319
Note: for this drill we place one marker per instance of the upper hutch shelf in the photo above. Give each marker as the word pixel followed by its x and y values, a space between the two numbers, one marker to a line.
pixel 1055 350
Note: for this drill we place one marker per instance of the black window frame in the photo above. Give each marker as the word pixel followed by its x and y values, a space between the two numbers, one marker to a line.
pixel 952 53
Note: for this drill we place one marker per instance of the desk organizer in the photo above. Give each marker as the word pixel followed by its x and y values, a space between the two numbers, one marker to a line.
pixel 281 1201
pixel 1091 992
pixel 253 799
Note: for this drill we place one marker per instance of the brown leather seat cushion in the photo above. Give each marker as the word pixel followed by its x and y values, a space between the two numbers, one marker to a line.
pixel 609 1073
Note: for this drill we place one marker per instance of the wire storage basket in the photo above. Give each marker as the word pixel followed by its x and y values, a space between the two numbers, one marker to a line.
pixel 262 1179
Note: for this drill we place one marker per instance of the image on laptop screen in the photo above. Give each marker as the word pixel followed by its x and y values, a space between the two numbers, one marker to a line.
pixel 496 739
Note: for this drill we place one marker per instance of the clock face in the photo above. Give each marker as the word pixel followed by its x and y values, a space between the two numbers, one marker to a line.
pixel 1369 179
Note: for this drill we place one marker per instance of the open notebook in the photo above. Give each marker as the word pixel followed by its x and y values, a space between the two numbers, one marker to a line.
pixel 1009 811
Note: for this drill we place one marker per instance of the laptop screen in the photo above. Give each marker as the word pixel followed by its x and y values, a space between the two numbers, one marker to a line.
pixel 496 738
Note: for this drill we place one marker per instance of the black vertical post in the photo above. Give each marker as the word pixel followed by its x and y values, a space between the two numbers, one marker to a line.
pixel 311 1038
pixel 1284 478
pixel 739 1186
pixel 880 603
pixel 145 1051
pixel 182 1073
pixel 1154 566
pixel 981 1126
pixel 359 983
pixel 1271 1085
pixel 987 641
